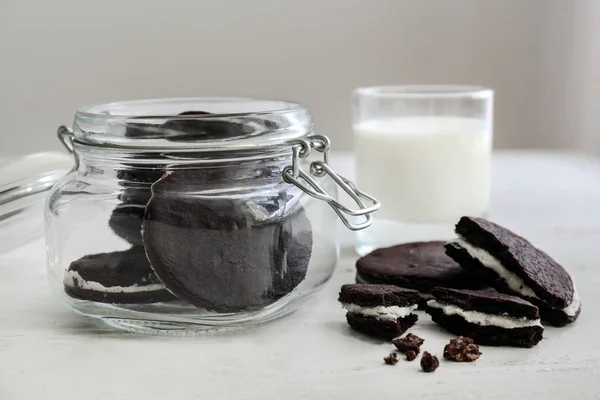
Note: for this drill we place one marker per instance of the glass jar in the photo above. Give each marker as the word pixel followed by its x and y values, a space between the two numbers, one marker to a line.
pixel 193 214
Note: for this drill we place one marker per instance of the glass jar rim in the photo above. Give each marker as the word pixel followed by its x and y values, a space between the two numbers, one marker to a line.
pixel 186 122
pixel 450 91
pixel 102 110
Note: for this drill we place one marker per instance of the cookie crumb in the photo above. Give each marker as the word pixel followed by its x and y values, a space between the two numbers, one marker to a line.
pixel 411 355
pixel 429 363
pixel 392 359
pixel 461 349
pixel 408 343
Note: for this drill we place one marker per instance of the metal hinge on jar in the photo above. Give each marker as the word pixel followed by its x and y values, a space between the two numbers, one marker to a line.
pixel 292 174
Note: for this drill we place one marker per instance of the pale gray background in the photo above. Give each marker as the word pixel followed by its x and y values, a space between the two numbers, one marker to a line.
pixel 537 54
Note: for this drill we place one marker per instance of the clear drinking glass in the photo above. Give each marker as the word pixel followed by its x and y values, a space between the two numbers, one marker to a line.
pixel 425 152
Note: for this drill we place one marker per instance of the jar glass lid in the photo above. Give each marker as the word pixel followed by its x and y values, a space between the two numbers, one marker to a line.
pixel 24 183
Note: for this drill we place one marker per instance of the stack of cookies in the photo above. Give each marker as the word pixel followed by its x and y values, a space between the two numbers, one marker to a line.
pixel 488 284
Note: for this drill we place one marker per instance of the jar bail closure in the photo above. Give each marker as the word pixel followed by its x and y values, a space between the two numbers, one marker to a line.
pixel 292 174
pixel 301 148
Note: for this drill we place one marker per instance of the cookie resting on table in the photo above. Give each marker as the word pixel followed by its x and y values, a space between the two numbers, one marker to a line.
pixel 380 311
pixel 420 266
pixel 486 316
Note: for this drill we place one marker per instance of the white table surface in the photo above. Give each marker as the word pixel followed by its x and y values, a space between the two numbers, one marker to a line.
pixel 46 352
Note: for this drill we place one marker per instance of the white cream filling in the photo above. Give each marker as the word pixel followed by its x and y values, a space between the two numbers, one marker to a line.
pixel 381 312
pixel 479 318
pixel 73 279
pixel 514 281
pixel 572 309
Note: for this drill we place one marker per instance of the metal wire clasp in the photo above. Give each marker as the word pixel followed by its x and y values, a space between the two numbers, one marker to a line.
pixel 302 148
pixel 65 135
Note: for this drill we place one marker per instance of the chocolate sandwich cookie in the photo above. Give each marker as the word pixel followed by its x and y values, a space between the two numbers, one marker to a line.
pixel 136 196
pixel 126 222
pixel 226 253
pixel 488 317
pixel 126 219
pixel 381 311
pixel 141 130
pixel 420 266
pixel 513 265
pixel 117 277
pixel 136 183
pixel 184 127
pixel 136 180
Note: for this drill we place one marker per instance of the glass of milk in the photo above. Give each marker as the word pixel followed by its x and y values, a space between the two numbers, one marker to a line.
pixel 424 151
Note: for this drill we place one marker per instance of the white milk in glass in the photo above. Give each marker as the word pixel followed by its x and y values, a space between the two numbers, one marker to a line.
pixel 426 171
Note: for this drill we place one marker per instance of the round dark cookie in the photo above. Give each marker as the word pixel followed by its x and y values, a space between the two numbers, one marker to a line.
pixel 553 316
pixel 384 329
pixel 488 335
pixel 117 277
pixel 370 295
pixel 419 265
pixel 137 178
pixel 126 219
pixel 487 301
pixel 135 196
pixel 226 254
pixel 183 127
pixel 550 281
pixel 126 222
pixel 491 302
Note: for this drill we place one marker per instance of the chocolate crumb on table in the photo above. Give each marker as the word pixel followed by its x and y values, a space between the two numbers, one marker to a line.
pixel 410 355
pixel 429 363
pixel 409 342
pixel 461 349
pixel 392 359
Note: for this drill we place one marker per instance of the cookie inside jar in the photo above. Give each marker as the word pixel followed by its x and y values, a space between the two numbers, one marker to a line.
pixel 226 253
pixel 224 236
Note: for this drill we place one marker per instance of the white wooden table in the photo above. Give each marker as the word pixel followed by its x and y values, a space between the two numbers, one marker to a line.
pixel 553 199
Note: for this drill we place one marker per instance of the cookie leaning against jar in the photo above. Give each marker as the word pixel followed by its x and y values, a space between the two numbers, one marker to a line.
pixel 226 253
